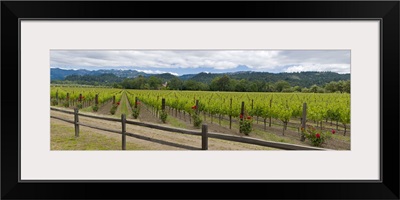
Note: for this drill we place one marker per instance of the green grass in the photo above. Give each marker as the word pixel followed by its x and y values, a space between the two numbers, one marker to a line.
pixel 123 106
pixel 339 136
pixel 272 137
pixel 263 134
pixel 63 138
pixel 175 122
pixel 87 109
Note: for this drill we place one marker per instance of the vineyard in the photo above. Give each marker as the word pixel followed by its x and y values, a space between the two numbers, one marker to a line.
pixel 226 109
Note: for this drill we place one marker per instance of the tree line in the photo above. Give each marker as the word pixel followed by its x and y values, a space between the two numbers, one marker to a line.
pixel 220 83
pixel 225 83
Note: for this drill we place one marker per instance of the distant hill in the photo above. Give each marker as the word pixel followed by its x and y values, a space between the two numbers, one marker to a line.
pixel 60 74
pixel 163 77
pixel 187 76
pixel 303 79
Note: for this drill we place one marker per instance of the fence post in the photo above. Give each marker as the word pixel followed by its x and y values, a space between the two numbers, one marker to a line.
pixel 303 120
pixel 241 116
pixel 96 99
pixel 76 122
pixel 204 137
pixel 163 104
pixel 67 99
pixel 123 122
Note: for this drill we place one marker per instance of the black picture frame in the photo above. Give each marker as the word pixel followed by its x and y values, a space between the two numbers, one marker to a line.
pixel 386 11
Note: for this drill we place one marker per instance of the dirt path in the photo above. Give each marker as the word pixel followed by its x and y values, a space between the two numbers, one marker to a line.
pixel 146 116
pixel 161 140
pixel 105 109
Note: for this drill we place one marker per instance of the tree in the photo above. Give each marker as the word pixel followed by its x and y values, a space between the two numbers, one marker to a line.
pixel 340 85
pixel 192 85
pixel 320 90
pixel 154 82
pixel 223 83
pixel 331 86
pixel 175 84
pixel 346 86
pixel 314 89
pixel 296 89
pixel 269 87
pixel 139 82
pixel 305 90
pixel 242 86
pixel 214 84
pixel 259 86
pixel 280 85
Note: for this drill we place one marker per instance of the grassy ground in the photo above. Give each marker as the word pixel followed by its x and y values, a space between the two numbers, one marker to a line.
pixel 263 134
pixel 123 106
pixel 63 138
pixel 341 137
pixel 87 109
pixel 175 122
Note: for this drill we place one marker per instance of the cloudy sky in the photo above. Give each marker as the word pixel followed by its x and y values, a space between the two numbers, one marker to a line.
pixel 181 62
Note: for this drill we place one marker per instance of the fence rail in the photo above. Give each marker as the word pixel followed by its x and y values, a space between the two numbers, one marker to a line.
pixel 204 134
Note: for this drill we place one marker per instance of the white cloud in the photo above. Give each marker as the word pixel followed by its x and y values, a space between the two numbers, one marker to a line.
pixel 155 72
pixel 341 69
pixel 259 60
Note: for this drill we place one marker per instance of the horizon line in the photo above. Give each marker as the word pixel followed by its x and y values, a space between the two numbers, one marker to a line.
pixel 207 72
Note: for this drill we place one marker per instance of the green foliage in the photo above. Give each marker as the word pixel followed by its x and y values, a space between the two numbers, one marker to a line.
pixel 345 115
pixel 281 85
pixel 175 84
pixel 113 108
pixel 154 82
pixel 95 108
pixel 66 104
pixel 197 121
pixel 135 112
pixel 79 105
pixel 163 116
pixel 240 82
pixel 246 125
pixel 317 138
pixel 221 84
pixel 279 106
pixel 339 86
pixel 296 89
pixel 305 90
pixel 290 89
pixel 194 85
pixel 54 102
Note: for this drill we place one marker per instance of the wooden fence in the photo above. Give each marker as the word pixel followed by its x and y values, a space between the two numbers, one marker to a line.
pixel 204 133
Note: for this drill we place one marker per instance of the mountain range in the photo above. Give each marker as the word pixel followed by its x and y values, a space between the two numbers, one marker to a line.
pixel 304 79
